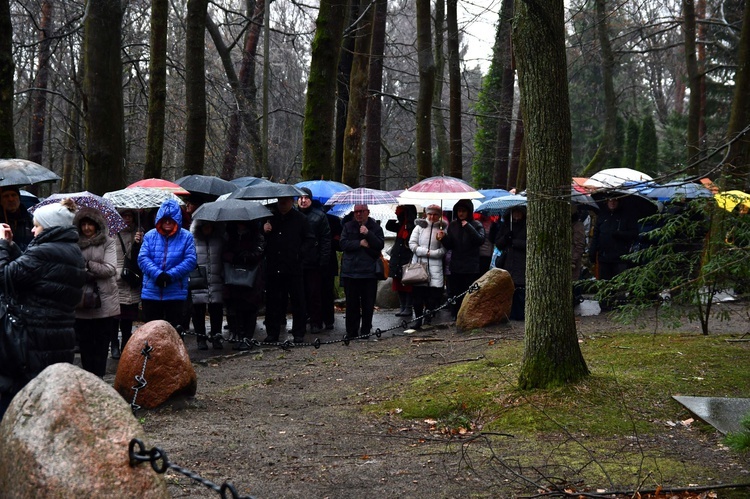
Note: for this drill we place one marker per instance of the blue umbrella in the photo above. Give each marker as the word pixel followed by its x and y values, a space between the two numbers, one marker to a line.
pixel 674 191
pixel 493 193
pixel 322 190
pixel 499 204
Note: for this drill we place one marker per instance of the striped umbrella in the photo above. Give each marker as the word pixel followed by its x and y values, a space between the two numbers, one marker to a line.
pixel 362 195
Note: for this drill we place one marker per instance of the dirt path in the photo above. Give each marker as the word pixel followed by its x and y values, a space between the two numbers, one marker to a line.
pixel 291 423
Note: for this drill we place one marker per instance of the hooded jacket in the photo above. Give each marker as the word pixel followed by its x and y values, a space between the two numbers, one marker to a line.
pixel 511 238
pixel 423 240
pixel 464 241
pixel 48 279
pixel 208 251
pixel 100 254
pixel 172 253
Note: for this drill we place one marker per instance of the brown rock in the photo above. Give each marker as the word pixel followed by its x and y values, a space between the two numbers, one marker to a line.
pixel 490 304
pixel 168 371
pixel 66 434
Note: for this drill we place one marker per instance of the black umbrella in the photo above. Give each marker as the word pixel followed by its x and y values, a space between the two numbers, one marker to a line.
pixel 637 205
pixel 20 172
pixel 206 184
pixel 266 191
pixel 248 181
pixel 227 210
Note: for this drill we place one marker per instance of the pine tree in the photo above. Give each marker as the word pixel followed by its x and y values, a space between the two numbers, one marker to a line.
pixel 630 152
pixel 648 147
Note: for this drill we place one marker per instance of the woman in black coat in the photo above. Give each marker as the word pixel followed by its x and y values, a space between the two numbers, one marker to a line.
pixel 401 254
pixel 511 240
pixel 48 279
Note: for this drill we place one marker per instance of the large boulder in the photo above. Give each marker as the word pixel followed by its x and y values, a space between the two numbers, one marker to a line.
pixel 490 304
pixel 386 297
pixel 168 373
pixel 66 434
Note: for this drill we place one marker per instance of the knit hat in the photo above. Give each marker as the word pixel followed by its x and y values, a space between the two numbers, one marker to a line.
pixel 13 188
pixel 56 214
pixel 433 208
pixel 307 191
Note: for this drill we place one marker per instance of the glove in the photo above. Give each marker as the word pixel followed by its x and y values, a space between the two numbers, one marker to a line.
pixel 163 280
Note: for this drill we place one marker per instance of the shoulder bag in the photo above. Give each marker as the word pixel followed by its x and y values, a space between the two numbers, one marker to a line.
pixel 382 268
pixel 131 272
pixel 91 296
pixel 415 273
pixel 198 278
pixel 13 341
pixel 238 275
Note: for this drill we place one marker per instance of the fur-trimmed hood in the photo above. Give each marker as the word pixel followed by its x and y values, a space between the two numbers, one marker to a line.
pixel 102 229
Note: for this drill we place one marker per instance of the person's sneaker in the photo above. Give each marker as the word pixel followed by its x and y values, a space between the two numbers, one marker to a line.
pixel 241 346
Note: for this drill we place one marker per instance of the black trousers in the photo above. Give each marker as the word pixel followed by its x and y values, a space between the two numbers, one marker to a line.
pixel 280 290
pixel 426 297
pixel 313 295
pixel 216 318
pixel 171 311
pixel 458 283
pixel 93 337
pixel 360 305
pixel 327 286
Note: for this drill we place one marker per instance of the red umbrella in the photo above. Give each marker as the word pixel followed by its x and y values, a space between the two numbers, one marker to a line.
pixel 442 187
pixel 159 183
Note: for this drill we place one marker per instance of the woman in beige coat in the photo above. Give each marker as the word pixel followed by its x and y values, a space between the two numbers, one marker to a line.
pixel 96 318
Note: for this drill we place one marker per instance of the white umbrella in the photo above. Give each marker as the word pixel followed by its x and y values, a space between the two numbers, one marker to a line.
pixel 616 177
pixel 140 198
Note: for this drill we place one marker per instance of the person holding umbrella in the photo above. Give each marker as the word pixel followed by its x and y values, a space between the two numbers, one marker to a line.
pixel 316 262
pixel 403 225
pixel 128 245
pixel 511 239
pixel 425 246
pixel 16 216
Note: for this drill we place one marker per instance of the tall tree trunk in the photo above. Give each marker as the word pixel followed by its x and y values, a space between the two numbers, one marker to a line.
pixel 71 158
pixel 374 103
pixel 736 168
pixel 157 89
pixel 195 87
pixel 357 98
pixel 515 157
pixel 454 72
pixel 694 85
pixel 442 161
pixel 342 88
pixel 604 152
pixel 244 88
pixel 7 72
pixel 552 355
pixel 39 105
pixel 426 84
pixel 700 59
pixel 507 90
pixel 102 88
pixel 320 106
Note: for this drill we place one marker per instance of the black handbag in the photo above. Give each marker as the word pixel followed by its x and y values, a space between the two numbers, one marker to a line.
pixel 238 275
pixel 131 272
pixel 13 341
pixel 91 296
pixel 198 278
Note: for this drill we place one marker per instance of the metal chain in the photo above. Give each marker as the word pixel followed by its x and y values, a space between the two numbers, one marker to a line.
pixel 160 464
pixel 141 379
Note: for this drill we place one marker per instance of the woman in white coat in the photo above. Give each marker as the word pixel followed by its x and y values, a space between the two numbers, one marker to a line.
pixel 427 248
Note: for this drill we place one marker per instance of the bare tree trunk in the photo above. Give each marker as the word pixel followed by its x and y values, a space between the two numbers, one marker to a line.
pixel 454 72
pixel 442 161
pixel 426 84
pixel 507 89
pixel 515 157
pixel 195 87
pixel 7 72
pixel 157 89
pixel 374 104
pixel 552 355
pixel 694 85
pixel 605 151
pixel 342 88
pixel 39 105
pixel 736 168
pixel 102 89
pixel 320 106
pixel 71 156
pixel 357 98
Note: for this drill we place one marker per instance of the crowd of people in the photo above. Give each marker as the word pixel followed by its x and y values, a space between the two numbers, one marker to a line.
pixel 81 299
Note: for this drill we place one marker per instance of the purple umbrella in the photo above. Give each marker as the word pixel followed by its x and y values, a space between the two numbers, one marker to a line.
pixel 85 198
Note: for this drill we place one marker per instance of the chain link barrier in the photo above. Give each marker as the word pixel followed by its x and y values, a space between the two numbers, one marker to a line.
pixel 159 463
pixel 140 379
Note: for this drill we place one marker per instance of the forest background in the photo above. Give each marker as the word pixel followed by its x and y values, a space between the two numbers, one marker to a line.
pixel 107 92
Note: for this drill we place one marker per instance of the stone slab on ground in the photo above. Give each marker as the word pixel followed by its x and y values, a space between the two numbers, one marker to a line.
pixel 722 413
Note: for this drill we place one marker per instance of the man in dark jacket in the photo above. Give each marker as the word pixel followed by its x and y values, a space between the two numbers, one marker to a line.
pixel 463 238
pixel 362 241
pixel 511 240
pixel 315 263
pixel 48 281
pixel 614 234
pixel 288 239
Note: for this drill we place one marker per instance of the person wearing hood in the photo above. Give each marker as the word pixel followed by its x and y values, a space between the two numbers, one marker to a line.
pixel 209 247
pixel 614 234
pixel 48 281
pixel 426 248
pixel 463 238
pixel 511 240
pixel 95 321
pixel 166 258
pixel 316 261
pixel 401 255
pixel 15 215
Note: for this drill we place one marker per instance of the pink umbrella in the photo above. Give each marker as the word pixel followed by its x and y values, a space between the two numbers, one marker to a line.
pixel 442 187
pixel 159 183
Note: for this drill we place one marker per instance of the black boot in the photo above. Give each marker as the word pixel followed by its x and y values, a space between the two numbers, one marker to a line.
pixel 115 347
pixel 402 303
pixel 216 342
pixel 202 343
